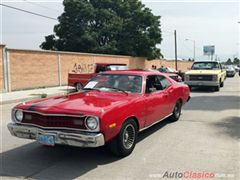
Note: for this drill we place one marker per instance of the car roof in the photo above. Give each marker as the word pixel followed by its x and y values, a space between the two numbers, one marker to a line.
pixel 206 61
pixel 138 72
pixel 111 64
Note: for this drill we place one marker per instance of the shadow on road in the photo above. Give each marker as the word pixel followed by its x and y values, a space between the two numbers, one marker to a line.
pixel 60 162
pixel 213 103
pixel 202 90
pixel 229 126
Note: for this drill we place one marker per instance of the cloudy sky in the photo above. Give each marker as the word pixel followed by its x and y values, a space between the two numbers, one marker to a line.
pixel 208 22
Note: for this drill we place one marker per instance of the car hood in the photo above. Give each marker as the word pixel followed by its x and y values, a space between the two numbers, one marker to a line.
pixel 203 72
pixel 93 103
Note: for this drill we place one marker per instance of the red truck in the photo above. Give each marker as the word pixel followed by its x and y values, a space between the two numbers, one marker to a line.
pixel 79 80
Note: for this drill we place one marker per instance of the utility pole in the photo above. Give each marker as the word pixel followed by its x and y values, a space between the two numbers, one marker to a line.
pixel 175 41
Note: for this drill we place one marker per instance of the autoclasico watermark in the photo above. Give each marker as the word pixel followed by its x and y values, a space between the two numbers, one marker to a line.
pixel 191 175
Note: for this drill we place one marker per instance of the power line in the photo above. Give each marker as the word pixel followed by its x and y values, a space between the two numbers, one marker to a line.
pixel 36 4
pixel 29 12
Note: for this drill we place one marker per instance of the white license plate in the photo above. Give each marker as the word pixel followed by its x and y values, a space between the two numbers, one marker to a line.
pixel 46 139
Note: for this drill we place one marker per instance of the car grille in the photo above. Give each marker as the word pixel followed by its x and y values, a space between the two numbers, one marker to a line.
pixel 56 121
pixel 200 77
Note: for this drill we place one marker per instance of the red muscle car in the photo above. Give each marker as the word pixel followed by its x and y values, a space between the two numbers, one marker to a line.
pixel 111 109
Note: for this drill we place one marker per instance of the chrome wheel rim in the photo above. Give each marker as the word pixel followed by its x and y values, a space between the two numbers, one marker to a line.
pixel 128 136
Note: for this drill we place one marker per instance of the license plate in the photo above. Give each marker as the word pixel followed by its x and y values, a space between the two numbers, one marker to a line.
pixel 46 139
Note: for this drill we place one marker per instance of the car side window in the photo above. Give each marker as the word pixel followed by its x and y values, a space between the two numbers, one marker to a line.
pixel 164 82
pixel 153 84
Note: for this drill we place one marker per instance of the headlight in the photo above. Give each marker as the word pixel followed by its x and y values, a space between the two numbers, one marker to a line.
pixel 215 77
pixel 92 123
pixel 18 115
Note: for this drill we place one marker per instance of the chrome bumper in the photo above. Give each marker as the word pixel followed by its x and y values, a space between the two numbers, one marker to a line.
pixel 74 138
pixel 202 83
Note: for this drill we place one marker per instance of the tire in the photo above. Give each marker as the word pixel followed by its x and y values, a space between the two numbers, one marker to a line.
pixel 176 111
pixel 123 144
pixel 190 88
pixel 222 84
pixel 216 88
pixel 78 86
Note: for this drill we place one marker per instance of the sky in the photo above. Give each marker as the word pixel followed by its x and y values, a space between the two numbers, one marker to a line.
pixel 207 22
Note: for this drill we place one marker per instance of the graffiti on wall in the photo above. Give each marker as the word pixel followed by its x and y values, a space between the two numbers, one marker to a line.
pixel 82 68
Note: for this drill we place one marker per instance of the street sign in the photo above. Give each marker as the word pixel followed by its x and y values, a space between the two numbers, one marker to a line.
pixel 209 50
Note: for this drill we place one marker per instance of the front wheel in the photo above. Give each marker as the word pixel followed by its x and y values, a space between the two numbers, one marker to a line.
pixel 78 86
pixel 176 111
pixel 217 88
pixel 221 84
pixel 123 144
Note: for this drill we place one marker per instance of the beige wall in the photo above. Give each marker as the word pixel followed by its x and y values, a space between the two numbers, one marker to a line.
pixel 1 68
pixel 33 69
pixel 84 63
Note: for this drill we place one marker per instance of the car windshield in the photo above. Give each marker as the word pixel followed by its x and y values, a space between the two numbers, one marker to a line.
pixel 116 82
pixel 205 65
pixel 117 67
pixel 229 68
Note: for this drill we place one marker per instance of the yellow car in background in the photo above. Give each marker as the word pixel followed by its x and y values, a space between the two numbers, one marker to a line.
pixel 206 74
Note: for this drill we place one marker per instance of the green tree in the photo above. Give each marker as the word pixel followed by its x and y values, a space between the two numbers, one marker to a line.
pixel 229 61
pixel 106 26
pixel 236 61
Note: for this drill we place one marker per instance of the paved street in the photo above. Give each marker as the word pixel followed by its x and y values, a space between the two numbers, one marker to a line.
pixel 205 139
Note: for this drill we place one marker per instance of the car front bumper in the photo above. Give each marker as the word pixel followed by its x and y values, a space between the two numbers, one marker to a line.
pixel 230 73
pixel 71 138
pixel 202 83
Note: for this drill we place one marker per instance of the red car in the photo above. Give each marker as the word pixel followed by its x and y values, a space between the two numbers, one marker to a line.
pixel 79 80
pixel 111 109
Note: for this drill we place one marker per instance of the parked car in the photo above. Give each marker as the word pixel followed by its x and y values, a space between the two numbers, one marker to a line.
pixel 174 74
pixel 79 80
pixel 111 109
pixel 206 74
pixel 237 69
pixel 230 71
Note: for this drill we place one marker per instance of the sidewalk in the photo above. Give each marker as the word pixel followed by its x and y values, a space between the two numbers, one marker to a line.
pixel 24 95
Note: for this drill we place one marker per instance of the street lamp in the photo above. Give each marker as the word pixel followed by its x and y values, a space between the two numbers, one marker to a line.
pixel 194 47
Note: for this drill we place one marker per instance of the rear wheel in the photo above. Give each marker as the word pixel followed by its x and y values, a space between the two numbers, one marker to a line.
pixel 78 86
pixel 176 111
pixel 123 144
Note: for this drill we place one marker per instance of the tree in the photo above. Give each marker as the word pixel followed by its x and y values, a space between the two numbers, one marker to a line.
pixel 106 26
pixel 236 61
pixel 229 61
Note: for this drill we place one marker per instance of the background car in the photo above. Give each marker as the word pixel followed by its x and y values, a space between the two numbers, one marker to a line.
pixel 230 71
pixel 173 73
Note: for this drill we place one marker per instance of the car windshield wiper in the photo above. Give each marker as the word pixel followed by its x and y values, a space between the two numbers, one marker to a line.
pixel 91 89
pixel 119 89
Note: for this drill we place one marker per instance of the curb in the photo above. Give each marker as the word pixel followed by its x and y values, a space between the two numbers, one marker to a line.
pixel 26 99
pixel 18 100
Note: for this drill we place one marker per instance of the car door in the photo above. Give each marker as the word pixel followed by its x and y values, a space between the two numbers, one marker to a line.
pixel 155 99
pixel 169 96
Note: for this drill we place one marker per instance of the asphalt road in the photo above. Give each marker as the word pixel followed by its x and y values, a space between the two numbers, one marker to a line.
pixel 205 139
